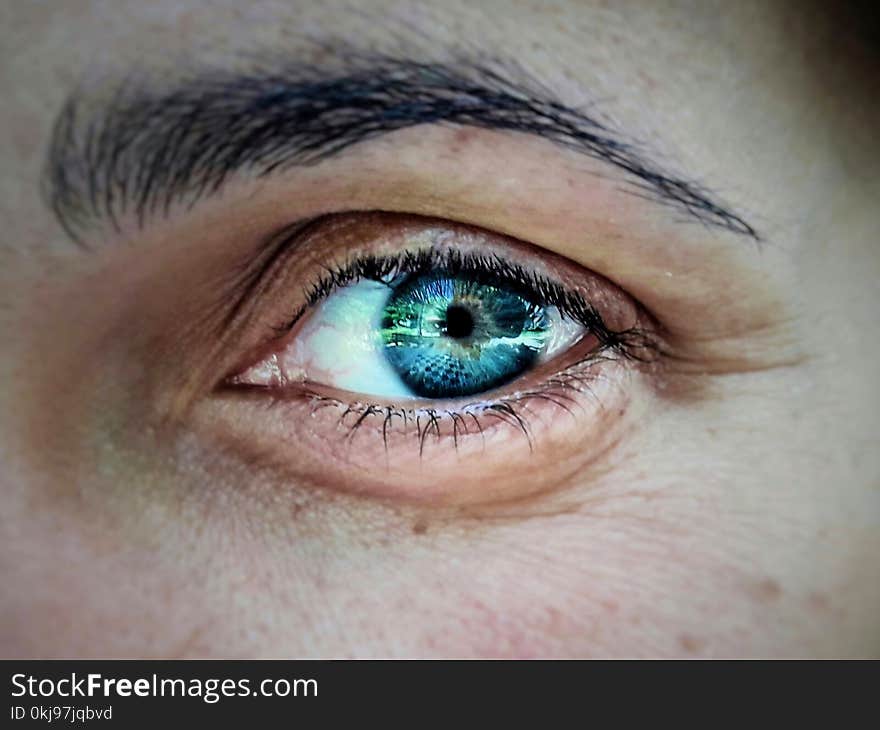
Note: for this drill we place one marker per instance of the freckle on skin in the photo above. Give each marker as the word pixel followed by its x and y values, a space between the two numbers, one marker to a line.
pixel 610 606
pixel 818 601
pixel 766 590
pixel 461 138
pixel 420 528
pixel 648 80
pixel 691 644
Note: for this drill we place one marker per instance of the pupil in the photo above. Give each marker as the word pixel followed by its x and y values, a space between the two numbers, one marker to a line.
pixel 459 322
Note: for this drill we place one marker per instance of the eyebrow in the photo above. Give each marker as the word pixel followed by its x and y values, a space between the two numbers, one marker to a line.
pixel 147 146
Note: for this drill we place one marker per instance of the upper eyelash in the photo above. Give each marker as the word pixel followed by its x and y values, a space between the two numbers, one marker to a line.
pixel 493 269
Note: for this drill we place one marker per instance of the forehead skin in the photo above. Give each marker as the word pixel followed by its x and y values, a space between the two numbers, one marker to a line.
pixel 772 105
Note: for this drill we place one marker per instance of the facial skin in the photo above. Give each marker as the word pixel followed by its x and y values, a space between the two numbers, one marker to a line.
pixel 721 499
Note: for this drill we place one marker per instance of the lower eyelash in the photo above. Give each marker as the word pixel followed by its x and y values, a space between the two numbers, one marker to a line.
pixel 561 390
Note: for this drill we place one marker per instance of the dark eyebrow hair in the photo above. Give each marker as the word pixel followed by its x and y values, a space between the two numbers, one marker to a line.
pixel 146 147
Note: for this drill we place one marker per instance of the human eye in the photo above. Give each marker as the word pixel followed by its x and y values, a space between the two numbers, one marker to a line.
pixel 432 324
pixel 431 360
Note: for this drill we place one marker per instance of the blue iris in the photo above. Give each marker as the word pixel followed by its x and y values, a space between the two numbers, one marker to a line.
pixel 451 336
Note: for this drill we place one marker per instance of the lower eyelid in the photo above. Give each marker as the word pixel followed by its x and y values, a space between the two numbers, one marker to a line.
pixel 475 452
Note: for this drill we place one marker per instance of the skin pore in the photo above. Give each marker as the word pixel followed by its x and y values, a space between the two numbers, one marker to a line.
pixel 719 499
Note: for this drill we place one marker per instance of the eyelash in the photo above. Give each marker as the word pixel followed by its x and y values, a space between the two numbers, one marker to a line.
pixel 491 270
pixel 632 344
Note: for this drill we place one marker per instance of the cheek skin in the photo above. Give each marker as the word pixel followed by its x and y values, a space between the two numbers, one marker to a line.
pixel 644 567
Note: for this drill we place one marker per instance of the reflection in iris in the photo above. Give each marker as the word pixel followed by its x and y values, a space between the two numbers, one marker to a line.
pixel 453 336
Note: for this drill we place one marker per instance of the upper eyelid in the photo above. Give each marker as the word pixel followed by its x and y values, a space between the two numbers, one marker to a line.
pixel 423 261
pixel 630 336
pixel 147 149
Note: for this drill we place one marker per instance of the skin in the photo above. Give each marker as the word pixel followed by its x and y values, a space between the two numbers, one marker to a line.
pixel 726 504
